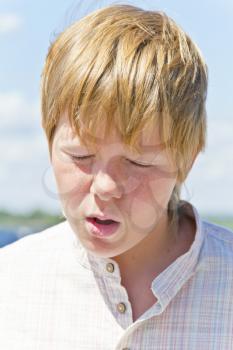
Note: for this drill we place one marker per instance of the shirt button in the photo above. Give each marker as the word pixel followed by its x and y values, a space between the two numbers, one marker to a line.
pixel 121 308
pixel 110 267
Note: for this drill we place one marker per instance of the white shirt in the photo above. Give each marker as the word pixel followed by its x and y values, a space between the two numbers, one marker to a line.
pixel 56 296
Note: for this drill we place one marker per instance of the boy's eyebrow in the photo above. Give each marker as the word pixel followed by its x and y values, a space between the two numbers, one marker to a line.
pixel 72 146
pixel 153 148
pixel 141 149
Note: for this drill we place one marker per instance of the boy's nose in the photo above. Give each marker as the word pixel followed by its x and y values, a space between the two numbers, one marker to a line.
pixel 105 187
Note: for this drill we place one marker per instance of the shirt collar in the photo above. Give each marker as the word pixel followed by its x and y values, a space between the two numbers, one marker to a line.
pixel 170 281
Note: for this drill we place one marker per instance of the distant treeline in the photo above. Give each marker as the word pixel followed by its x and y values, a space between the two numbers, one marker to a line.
pixel 227 221
pixel 38 218
pixel 34 218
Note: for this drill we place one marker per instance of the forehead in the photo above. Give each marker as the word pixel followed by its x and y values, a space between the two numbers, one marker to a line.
pixel 148 138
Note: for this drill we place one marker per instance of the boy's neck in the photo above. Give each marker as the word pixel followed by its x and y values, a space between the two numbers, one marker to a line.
pixel 149 252
pixel 156 252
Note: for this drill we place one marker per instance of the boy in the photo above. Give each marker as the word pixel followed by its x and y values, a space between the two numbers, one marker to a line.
pixel 133 266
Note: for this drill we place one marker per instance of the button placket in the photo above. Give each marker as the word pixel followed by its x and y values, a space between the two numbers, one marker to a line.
pixel 118 300
pixel 110 267
pixel 121 307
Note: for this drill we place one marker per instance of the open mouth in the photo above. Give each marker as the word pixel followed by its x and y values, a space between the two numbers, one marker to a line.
pixel 102 228
pixel 104 222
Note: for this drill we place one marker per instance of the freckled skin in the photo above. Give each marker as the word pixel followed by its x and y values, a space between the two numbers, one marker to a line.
pixel 110 184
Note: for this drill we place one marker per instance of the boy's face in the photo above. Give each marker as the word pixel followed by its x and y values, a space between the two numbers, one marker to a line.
pixel 114 182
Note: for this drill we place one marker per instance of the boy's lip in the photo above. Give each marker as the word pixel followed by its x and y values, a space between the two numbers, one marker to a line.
pixel 102 217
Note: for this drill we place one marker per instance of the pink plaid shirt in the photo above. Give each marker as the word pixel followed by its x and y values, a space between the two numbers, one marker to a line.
pixel 56 296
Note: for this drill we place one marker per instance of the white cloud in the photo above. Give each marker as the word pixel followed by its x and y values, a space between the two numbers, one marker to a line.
pixel 9 22
pixel 23 154
pixel 24 164
pixel 210 182
pixel 23 149
pixel 17 111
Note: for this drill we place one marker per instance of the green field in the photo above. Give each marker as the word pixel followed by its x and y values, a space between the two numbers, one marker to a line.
pixel 227 222
pixel 36 218
pixel 39 218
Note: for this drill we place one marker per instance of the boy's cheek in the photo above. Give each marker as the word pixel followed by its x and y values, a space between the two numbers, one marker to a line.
pixel 137 182
pixel 72 196
pixel 153 193
pixel 143 214
pixel 71 183
pixel 160 190
pixel 142 209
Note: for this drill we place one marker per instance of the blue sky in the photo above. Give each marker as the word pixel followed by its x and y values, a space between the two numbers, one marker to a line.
pixel 26 30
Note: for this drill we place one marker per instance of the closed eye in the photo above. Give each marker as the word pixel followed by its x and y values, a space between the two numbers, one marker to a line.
pixel 139 164
pixel 78 158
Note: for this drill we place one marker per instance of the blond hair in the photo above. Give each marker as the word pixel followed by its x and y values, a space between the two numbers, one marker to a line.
pixel 131 67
